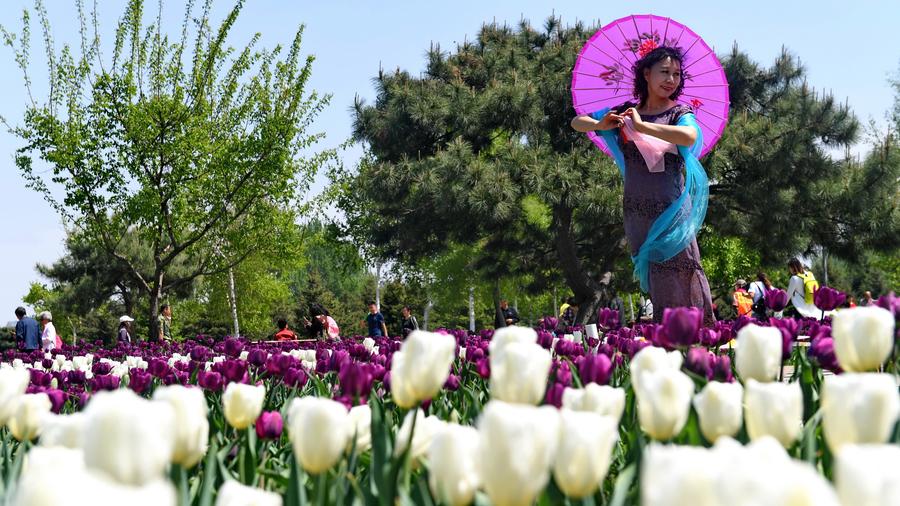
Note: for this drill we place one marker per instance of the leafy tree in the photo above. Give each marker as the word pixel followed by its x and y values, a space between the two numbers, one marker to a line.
pixel 190 144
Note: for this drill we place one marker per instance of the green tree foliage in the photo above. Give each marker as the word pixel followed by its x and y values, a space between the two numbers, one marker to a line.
pixel 186 141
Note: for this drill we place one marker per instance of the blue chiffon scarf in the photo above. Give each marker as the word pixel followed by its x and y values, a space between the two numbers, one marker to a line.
pixel 678 225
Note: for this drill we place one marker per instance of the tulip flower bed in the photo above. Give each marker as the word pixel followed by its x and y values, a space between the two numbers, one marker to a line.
pixel 739 413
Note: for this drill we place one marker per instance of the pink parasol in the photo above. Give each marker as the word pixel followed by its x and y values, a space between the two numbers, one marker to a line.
pixel 603 75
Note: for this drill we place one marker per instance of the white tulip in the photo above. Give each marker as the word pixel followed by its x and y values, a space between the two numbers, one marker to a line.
pixel 63 430
pixel 517 445
pixel 663 402
pixel 508 335
pixel 773 409
pixel 651 360
pixel 868 475
pixel 453 468
pixel 863 337
pixel 26 413
pixel 678 476
pixel 319 430
pixel 758 353
pixel 421 367
pixel 859 408
pixel 128 438
pixel 519 373
pixel 191 424
pixel 13 383
pixel 369 343
pixel 361 424
pixel 426 428
pixel 584 452
pixel 233 493
pixel 242 404
pixel 601 399
pixel 720 409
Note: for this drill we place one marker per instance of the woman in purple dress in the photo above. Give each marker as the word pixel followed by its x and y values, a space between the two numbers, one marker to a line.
pixel 653 185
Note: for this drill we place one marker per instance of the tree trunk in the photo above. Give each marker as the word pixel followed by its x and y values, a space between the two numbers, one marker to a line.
pixel 155 297
pixel 378 286
pixel 472 309
pixel 589 293
pixel 232 300
pixel 425 313
pixel 499 321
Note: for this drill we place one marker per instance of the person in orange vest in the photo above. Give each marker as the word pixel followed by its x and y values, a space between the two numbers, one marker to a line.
pixel 741 299
pixel 284 333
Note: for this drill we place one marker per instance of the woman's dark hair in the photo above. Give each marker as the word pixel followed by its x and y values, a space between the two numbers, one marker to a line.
pixel 795 264
pixel 641 89
pixel 761 276
pixel 122 324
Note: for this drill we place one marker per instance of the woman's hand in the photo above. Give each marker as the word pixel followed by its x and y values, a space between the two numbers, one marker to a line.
pixel 611 121
pixel 585 123
pixel 636 120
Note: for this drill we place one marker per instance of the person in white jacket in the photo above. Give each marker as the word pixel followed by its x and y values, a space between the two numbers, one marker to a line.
pixel 796 290
pixel 48 336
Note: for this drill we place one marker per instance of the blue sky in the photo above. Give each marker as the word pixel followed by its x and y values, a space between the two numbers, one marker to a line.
pixel 849 51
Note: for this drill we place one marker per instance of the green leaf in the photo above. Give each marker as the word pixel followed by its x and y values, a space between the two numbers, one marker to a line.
pixel 623 484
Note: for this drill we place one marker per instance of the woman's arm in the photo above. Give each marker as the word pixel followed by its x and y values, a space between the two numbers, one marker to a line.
pixel 680 135
pixel 585 123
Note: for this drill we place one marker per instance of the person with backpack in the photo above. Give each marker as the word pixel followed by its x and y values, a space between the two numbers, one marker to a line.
pixel 758 292
pixel 801 288
pixel 740 299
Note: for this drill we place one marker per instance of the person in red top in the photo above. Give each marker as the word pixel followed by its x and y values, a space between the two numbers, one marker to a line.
pixel 284 333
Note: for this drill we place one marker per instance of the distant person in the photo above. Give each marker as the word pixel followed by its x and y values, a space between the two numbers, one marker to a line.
pixel 28 333
pixel 510 315
pixel 312 324
pixel 618 305
pixel 164 322
pixel 646 312
pixel 124 335
pixel 408 322
pixel 757 291
pixel 284 333
pixel 867 299
pixel 49 338
pixel 329 327
pixel 375 322
pixel 741 299
pixel 801 288
pixel 567 319
pixel 565 305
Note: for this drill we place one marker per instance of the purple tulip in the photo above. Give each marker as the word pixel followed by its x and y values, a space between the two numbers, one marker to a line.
pixel 139 381
pixel 608 318
pixel 57 399
pixel 355 379
pixel 595 369
pixel 452 383
pixel 210 380
pixel 157 367
pixel 721 369
pixel 104 382
pixel 40 378
pixel 683 325
pixel 83 399
pixel 555 394
pixel 821 353
pixel 101 368
pixel 233 347
pixel 234 371
pixel 790 329
pixel 700 362
pixel 257 357
pixel 828 299
pixel 776 299
pixel 200 353
pixel 561 372
pixel 269 425
pixel 483 367
pixel 75 377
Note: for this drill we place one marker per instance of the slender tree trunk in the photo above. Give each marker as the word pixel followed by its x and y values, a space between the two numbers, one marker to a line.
pixel 155 297
pixel 499 321
pixel 426 313
pixel 232 300
pixel 472 309
pixel 378 285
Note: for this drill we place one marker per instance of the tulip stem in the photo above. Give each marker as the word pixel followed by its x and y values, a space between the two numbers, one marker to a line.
pixel 322 488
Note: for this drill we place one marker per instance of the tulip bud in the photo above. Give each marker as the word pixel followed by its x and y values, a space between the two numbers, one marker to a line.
pixel 519 373
pixel 507 335
pixel 584 452
pixel 319 430
pixel 242 404
pixel 719 407
pixel 25 415
pixel 269 425
pixel 127 437
pixel 233 493
pixel 63 430
pixel 453 468
pixel 773 409
pixel 601 399
pixel 758 353
pixel 859 408
pixel 13 383
pixel 663 402
pixel 421 367
pixel 191 424
pixel 501 430
pixel 426 428
pixel 361 426
pixel 863 337
pixel 653 359
pixel 868 475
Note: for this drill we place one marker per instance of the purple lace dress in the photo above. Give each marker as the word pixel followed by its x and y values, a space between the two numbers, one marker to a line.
pixel 679 281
